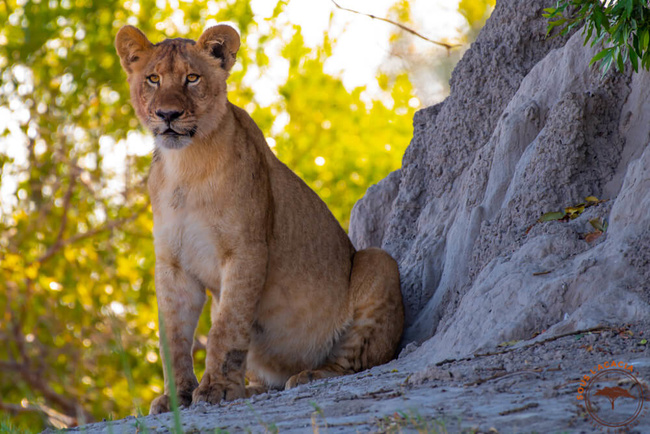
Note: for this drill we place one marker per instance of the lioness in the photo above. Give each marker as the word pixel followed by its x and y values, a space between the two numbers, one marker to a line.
pixel 292 299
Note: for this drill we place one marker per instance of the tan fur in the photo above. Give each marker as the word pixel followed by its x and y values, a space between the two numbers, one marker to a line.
pixel 292 300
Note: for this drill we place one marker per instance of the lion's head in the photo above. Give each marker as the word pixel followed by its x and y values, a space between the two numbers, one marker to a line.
pixel 178 86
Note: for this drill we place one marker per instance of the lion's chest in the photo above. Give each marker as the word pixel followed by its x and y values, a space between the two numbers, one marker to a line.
pixel 189 234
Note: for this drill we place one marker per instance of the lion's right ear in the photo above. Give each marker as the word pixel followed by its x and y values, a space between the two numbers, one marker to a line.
pixel 222 42
pixel 131 44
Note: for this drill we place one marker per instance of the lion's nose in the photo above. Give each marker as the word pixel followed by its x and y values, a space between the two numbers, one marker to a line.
pixel 169 115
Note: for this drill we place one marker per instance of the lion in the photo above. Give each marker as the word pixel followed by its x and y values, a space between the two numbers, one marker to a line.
pixel 292 300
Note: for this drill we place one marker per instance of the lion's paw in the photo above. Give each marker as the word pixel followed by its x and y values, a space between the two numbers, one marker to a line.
pixel 162 404
pixel 213 392
pixel 302 378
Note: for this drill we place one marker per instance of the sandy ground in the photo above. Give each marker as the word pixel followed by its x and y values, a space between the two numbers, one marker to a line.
pixel 524 387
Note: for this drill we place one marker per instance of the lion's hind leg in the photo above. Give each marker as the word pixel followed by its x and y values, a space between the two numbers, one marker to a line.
pixel 377 323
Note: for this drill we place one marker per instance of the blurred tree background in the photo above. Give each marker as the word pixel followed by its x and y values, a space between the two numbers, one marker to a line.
pixel 78 328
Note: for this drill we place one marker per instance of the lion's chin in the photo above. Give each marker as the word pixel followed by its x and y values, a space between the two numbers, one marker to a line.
pixel 172 141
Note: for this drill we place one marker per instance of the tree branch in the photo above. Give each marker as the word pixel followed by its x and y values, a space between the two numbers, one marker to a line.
pixel 64 219
pixel 59 420
pixel 88 234
pixel 71 408
pixel 448 47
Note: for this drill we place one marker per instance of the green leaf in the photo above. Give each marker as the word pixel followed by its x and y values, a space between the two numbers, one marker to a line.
pixel 551 216
pixel 549 12
pixel 589 30
pixel 619 62
pixel 574 211
pixel 600 55
pixel 628 8
pixel 598 17
pixel 634 60
pixel 597 224
pixel 635 43
pixel 607 62
pixel 557 22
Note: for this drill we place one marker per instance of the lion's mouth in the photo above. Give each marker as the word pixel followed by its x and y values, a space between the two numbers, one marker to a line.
pixel 172 132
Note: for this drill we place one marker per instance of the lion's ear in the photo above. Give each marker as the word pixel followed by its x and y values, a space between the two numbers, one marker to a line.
pixel 131 44
pixel 222 42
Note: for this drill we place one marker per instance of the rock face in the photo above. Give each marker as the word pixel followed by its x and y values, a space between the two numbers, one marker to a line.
pixel 528 128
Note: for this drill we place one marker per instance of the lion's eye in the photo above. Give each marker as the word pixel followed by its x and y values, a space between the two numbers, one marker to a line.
pixel 153 79
pixel 192 78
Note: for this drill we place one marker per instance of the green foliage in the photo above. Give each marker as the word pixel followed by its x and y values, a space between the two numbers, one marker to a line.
pixel 78 314
pixel 7 427
pixel 313 143
pixel 623 26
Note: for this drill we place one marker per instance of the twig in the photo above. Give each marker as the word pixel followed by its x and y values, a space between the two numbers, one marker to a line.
pixel 91 233
pixel 59 420
pixel 526 344
pixel 501 375
pixel 64 219
pixel 520 409
pixel 448 47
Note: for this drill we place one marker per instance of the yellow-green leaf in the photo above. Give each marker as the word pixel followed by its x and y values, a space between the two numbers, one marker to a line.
pixel 574 211
pixel 551 216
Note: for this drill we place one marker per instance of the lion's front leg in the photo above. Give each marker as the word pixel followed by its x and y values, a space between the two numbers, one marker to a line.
pixel 180 302
pixel 232 319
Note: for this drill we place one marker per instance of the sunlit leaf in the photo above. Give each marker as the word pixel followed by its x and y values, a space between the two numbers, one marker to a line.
pixel 598 224
pixel 551 216
pixel 574 211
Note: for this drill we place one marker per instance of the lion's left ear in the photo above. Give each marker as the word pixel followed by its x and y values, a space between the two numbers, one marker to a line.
pixel 131 44
pixel 222 42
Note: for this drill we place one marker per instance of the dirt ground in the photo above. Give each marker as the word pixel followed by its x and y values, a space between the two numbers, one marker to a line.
pixel 522 387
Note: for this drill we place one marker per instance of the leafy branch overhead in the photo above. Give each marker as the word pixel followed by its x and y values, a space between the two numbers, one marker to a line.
pixel 623 27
